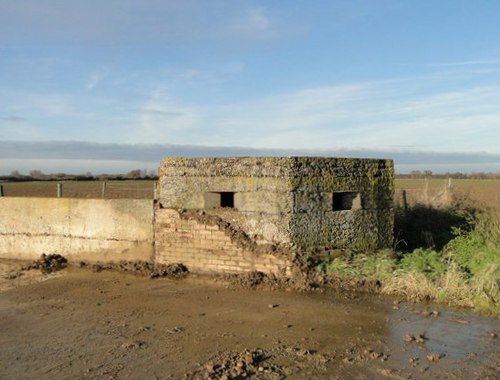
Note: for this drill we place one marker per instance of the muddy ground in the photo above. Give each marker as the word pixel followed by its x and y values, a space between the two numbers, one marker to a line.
pixel 79 323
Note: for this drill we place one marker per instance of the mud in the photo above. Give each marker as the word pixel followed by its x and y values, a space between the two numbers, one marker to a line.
pixel 48 263
pixel 145 268
pixel 12 274
pixel 77 323
pixel 262 364
pixel 298 280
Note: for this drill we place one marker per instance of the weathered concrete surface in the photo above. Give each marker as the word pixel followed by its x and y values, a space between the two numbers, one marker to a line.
pixel 79 229
pixel 301 201
pixel 368 224
pixel 261 190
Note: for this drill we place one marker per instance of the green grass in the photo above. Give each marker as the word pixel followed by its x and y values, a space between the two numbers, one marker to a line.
pixel 465 272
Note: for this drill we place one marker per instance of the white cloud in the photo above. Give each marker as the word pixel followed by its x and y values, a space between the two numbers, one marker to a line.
pixel 307 108
pixel 13 119
pixel 133 21
pixel 53 104
pixel 364 115
pixel 164 119
pixel 95 79
pixel 14 131
pixel 254 23
pixel 467 63
pixel 432 111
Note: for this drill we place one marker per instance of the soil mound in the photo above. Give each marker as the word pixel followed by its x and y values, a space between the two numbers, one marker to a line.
pixel 299 280
pixel 277 363
pixel 48 263
pixel 145 268
pixel 249 280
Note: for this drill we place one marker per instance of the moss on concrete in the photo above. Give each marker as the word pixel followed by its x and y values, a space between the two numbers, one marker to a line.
pixel 298 190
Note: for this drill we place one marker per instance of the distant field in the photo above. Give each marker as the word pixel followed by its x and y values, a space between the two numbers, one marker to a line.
pixel 82 189
pixel 478 192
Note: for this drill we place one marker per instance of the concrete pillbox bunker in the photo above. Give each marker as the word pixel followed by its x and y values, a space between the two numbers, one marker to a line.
pixel 216 215
pixel 299 202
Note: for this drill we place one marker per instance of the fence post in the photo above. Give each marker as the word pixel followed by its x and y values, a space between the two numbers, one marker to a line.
pixel 1 190
pixel 155 195
pixel 59 190
pixel 104 189
pixel 405 200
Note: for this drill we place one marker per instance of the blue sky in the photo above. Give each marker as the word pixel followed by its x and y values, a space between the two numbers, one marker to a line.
pixel 393 76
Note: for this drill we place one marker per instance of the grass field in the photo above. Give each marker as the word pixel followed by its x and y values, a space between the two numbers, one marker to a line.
pixel 82 189
pixel 442 192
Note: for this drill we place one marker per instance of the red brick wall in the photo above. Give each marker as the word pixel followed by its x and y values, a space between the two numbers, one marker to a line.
pixel 208 248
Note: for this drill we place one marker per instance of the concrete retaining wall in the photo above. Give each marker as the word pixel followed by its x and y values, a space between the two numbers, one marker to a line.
pixel 79 229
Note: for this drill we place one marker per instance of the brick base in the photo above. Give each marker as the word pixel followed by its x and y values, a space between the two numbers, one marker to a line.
pixel 206 247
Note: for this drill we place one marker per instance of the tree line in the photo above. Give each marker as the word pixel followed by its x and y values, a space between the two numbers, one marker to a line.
pixel 38 175
pixel 143 174
pixel 417 174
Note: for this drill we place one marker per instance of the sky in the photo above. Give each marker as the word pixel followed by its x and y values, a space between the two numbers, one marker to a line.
pixel 392 78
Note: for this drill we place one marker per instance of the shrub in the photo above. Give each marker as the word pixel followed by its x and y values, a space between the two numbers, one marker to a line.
pixel 466 272
pixel 425 261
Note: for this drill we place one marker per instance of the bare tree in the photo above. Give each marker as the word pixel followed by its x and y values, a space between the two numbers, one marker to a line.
pixel 135 174
pixel 37 174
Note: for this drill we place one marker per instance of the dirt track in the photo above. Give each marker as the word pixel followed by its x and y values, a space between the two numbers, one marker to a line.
pixel 81 324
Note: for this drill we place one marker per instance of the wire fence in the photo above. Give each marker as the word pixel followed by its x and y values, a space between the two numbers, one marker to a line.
pixel 81 189
pixel 435 197
pixel 434 193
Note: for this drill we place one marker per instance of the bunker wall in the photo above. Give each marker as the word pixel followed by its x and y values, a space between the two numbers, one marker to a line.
pixel 79 229
pixel 344 203
pixel 257 188
pixel 303 201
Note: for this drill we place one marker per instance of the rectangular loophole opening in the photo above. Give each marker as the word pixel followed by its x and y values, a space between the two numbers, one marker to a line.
pixel 227 199
pixel 346 200
pixel 219 199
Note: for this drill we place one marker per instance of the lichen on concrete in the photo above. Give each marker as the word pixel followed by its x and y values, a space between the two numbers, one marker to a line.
pixel 289 200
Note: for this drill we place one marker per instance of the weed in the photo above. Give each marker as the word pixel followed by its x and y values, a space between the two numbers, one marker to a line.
pixel 378 266
pixel 411 285
pixel 342 267
pixel 425 261
pixel 466 272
